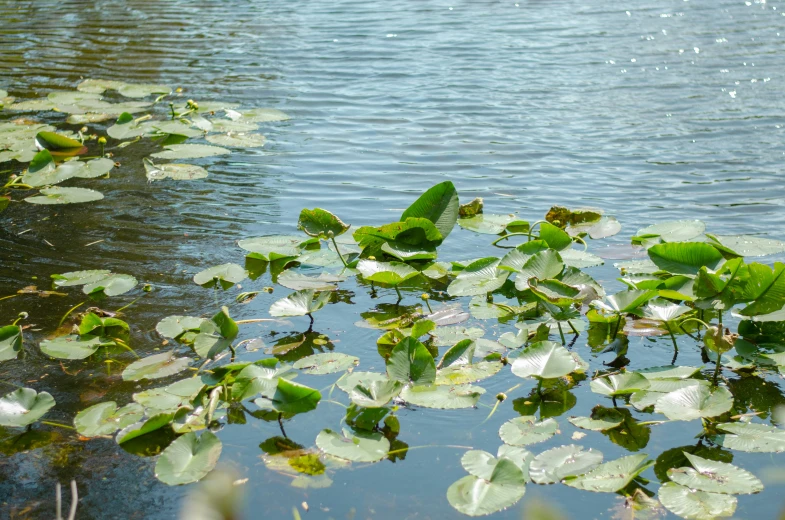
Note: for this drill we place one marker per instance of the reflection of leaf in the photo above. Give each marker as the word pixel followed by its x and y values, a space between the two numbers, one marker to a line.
pixel 551 402
pixel 629 434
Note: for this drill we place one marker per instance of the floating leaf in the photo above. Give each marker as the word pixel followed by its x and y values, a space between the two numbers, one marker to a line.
pixel 349 381
pixel 553 465
pixel 155 367
pixel 668 372
pixel 290 397
pixel 263 115
pixel 446 336
pixel 327 363
pixel 715 477
pixel 298 281
pixel 462 374
pixel 174 171
pixel 405 252
pixel 190 151
pixel 10 342
pixel 73 346
pixel 126 127
pixel 188 459
pixel 475 496
pixel 694 402
pixel 544 265
pixel 359 446
pixel 486 223
pixel 24 406
pixel 751 437
pixel 132 90
pixel 411 362
pixel 525 430
pixel 685 257
pixel 376 393
pixel 579 259
pixel 619 384
pixel 613 475
pixel 175 326
pixel 300 303
pixel 255 379
pixel 545 360
pixel 224 274
pixel 237 140
pixel 672 231
pixel 443 396
pixel 59 195
pixel 273 247
pixel 745 245
pixel 98 86
pixel 389 273
pixel 479 277
pixel 105 418
pixel 693 504
pixel 624 302
pixel 111 285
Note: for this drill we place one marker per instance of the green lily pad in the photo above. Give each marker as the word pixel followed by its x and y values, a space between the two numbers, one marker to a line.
pixel 410 361
pixel 358 446
pixel 544 265
pixel 525 430
pixel 553 465
pixel 99 86
pixel 290 397
pixel 624 302
pixel 73 346
pixel 190 151
pixel 601 419
pixel 669 372
pixel 111 285
pixel 318 222
pixel 439 204
pixel 672 231
pixel 300 303
pixel 126 127
pixel 175 326
pixel 375 394
pixel 389 273
pixel 619 384
pixel 263 115
pixel 447 336
pixel 462 374
pixel 79 277
pixel 442 396
pixel 133 90
pixel 694 402
pixel 327 363
pixel 174 127
pixel 59 195
pixel 298 281
pixel 237 140
pixel 715 477
pixel 228 274
pixel 546 360
pixel 188 459
pixel 751 437
pixel 174 171
pixel 579 259
pixel 10 342
pixel 486 223
pixel 149 425
pixel 745 245
pixel 612 475
pixel 685 257
pixel 273 247
pixel 479 277
pixel 105 418
pixel 693 504
pixel 255 379
pixel 155 367
pixel 24 406
pixel 475 496
pixel 349 381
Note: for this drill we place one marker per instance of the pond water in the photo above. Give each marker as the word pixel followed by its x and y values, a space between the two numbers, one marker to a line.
pixel 651 110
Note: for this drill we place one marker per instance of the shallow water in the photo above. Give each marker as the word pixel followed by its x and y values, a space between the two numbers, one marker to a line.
pixel 651 110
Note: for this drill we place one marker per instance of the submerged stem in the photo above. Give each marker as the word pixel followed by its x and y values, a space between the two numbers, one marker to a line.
pixel 72 309
pixel 59 425
pixel 717 368
pixel 339 252
pixel 673 339
pixel 561 333
pixel 123 344
pixel 400 296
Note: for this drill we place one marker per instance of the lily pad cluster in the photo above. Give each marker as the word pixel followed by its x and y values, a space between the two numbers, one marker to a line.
pixel 538 299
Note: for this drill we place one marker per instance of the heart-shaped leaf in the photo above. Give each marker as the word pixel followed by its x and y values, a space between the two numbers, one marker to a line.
pixel 300 303
pixel 155 367
pixel 694 504
pixel 546 360
pixel 188 459
pixel 694 402
pixel 24 406
pixel 553 465
pixel 525 430
pixel 358 446
pixel 612 475
pixel 715 477
pixel 320 223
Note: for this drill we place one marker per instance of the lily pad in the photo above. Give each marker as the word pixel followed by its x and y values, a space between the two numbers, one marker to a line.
pixel 619 384
pixel 224 274
pixel 188 459
pixel 601 419
pixel 694 402
pixel 174 171
pixel 751 437
pixel 375 394
pixel 475 496
pixel 132 90
pixel 546 360
pixel 693 504
pixel 479 277
pixel 175 326
pixel 553 465
pixel 745 245
pixel 715 477
pixel 111 285
pixel 439 204
pixel 486 223
pixel 73 346
pixel 442 397
pixel 447 336
pixel 127 127
pixel 411 362
pixel 613 475
pixel 359 446
pixel 24 406
pixel 290 397
pixel 60 195
pixel 155 367
pixel 580 259
pixel 263 115
pixel 525 430
pixel 298 281
pixel 237 140
pixel 327 363
pixel 149 425
pixel 389 273
pixel 672 231
pixel 105 418
pixel 300 303
pixel 273 247
pixel 349 381
pixel 10 342
pixel 190 151
pixel 462 374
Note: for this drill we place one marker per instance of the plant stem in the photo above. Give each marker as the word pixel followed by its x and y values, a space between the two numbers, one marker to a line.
pixel 561 332
pixel 616 330
pixel 695 319
pixel 400 296
pixel 673 339
pixel 339 252
pixel 582 241
pixel 7 297
pixel 311 325
pixel 72 309
pixel 574 330
pixel 427 303
pixel 717 368
pixel 118 311
pixel 254 320
pixel 505 237
pixel 280 423
pixel 531 228
pixel 60 425
pixel 121 343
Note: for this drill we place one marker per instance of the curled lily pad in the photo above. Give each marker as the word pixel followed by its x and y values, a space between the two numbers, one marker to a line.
pixel 149 425
pixel 544 265
pixel 300 303
pixel 619 384
pixel 155 367
pixel 389 273
pixel 439 204
pixel 612 475
pixel 715 477
pixel 327 363
pixel 525 430
pixel 742 245
pixel 290 397
pixel 357 446
pixel 188 459
pixel 174 171
pixel 225 275
pixel 442 397
pixel 59 195
pixel 10 342
pixel 99 86
pixel 553 465
pixel 405 252
pixel 685 257
pixel 444 336
pixel 320 223
pixel 24 406
pixel 190 151
pixel 411 362
pixel 237 140
pixel 694 504
pixel 477 496
pixel 694 402
pixel 105 418
pixel 546 360
pixel 751 437
pixel 375 394
pixel 255 379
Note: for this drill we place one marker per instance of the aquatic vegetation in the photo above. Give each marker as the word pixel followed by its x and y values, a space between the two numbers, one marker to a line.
pixel 538 295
